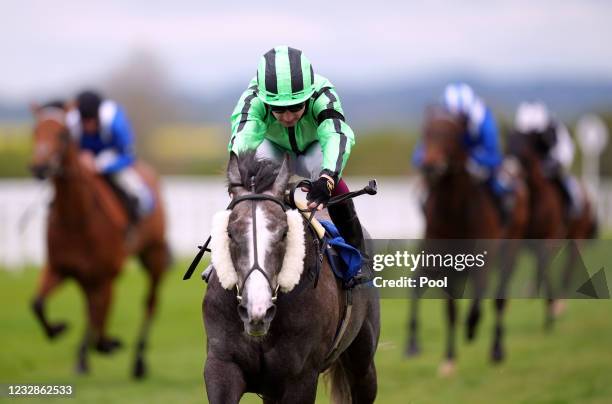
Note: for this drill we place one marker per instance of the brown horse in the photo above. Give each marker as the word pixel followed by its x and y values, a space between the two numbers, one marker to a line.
pixel 460 207
pixel 549 219
pixel 86 240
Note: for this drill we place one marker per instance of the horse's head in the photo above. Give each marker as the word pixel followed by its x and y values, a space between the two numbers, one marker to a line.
pixel 528 148
pixel 258 246
pixel 51 138
pixel 443 148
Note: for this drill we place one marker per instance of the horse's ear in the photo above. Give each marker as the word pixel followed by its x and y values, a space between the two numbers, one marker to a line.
pixel 280 184
pixel 233 172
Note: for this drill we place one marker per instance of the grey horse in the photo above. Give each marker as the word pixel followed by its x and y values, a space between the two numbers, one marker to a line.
pixel 272 310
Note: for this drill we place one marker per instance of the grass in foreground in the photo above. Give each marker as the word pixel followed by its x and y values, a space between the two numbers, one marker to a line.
pixel 572 364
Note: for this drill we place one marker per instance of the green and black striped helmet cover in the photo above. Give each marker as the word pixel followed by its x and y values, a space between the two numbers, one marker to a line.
pixel 284 77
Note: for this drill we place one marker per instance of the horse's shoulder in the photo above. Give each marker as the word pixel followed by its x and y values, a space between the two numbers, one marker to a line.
pixel 109 202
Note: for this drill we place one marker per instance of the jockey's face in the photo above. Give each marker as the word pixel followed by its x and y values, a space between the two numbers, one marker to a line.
pixel 288 118
pixel 90 126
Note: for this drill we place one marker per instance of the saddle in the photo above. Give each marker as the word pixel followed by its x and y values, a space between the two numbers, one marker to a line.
pixel 344 259
pixel 128 203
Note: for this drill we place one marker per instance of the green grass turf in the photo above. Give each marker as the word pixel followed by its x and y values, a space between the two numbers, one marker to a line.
pixel 571 364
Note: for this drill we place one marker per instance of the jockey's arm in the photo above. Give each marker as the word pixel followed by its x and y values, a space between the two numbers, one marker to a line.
pixel 248 126
pixel 335 136
pixel 563 150
pixel 486 152
pixel 121 152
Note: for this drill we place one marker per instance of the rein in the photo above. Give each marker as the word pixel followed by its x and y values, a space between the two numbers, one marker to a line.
pixel 370 189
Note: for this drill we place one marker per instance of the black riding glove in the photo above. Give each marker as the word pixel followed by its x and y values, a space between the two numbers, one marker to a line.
pixel 320 191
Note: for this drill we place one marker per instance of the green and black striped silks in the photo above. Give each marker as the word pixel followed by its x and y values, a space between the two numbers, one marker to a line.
pixel 323 122
pixel 284 77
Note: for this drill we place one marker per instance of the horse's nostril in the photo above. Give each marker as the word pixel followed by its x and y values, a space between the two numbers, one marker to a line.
pixel 270 313
pixel 243 312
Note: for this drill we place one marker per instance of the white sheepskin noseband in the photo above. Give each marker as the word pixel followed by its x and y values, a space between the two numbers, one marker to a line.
pixel 293 261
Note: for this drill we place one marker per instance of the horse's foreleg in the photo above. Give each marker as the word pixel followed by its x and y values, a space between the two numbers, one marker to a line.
pixel 448 366
pixel 98 300
pixel 49 281
pixel 571 266
pixel 224 381
pixel 473 319
pixel 155 261
pixel 412 344
pixel 543 260
pixel 98 303
pixel 302 390
pixel 507 265
pixel 82 365
pixel 497 351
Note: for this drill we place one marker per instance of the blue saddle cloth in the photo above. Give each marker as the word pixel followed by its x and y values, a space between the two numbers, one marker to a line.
pixel 345 260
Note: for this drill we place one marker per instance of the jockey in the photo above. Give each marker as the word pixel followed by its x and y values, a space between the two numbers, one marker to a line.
pixel 101 127
pixel 287 108
pixel 555 147
pixel 481 140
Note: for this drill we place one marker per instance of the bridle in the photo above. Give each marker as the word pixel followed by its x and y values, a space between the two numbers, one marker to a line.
pixel 254 197
pixel 53 114
pixel 370 189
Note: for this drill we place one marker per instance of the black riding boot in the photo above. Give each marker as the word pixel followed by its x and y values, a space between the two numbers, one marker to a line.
pixel 129 202
pixel 345 218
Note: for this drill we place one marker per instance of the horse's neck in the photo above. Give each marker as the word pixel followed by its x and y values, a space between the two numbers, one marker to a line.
pixel 535 177
pixel 451 200
pixel 74 190
pixel 454 191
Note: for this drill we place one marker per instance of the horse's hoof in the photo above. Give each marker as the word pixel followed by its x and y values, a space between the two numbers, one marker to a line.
pixel 447 368
pixel 140 369
pixel 497 355
pixel 412 350
pixel 56 330
pixel 108 345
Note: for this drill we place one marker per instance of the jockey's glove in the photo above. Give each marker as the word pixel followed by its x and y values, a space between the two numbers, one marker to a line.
pixel 320 190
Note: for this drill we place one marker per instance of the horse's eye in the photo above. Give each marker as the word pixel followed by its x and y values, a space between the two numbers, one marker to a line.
pixel 285 235
pixel 229 234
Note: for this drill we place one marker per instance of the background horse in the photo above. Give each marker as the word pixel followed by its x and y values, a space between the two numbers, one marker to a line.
pixel 277 345
pixel 549 220
pixel 86 237
pixel 460 207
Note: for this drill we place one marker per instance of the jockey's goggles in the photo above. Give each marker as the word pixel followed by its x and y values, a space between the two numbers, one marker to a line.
pixel 291 108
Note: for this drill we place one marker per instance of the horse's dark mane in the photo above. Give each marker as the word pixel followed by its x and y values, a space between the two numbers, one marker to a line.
pixel 263 171
pixel 55 103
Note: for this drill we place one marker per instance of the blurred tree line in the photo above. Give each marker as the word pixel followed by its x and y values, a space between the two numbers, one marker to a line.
pixel 176 147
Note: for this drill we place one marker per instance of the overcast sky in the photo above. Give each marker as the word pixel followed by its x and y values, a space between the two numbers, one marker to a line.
pixel 46 45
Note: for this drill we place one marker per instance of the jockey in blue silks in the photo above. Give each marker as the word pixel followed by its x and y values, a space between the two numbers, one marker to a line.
pixel 481 141
pixel 101 127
